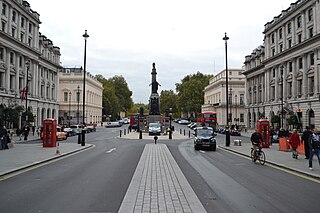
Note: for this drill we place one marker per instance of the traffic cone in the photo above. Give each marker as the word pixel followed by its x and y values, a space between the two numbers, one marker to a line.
pixel 57 150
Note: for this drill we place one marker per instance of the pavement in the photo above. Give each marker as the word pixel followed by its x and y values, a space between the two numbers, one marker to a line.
pixel 158 184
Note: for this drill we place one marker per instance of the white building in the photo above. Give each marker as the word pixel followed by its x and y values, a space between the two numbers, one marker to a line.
pixel 215 97
pixel 23 50
pixel 283 74
pixel 71 97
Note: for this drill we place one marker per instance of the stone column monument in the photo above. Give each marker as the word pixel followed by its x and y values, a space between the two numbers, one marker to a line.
pixel 154 102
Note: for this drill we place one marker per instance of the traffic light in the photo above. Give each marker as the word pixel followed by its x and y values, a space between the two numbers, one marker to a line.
pixel 299 113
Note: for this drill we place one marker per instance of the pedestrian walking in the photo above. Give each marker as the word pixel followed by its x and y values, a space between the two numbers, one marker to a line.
pixel 33 129
pixel 314 144
pixel 294 141
pixel 305 137
pixel 4 137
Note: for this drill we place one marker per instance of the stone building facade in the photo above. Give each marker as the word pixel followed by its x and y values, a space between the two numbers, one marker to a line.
pixel 23 50
pixel 70 97
pixel 215 97
pixel 282 76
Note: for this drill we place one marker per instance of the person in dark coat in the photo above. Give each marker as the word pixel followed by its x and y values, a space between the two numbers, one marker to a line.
pixel 305 137
pixel 314 144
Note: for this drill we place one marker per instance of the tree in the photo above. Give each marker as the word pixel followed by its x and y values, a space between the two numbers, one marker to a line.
pixel 190 92
pixel 116 96
pixel 169 99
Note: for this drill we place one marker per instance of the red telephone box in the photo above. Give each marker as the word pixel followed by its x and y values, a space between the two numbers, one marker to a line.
pixel 49 133
pixel 263 126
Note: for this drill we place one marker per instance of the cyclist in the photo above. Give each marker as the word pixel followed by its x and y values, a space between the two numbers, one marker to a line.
pixel 256 140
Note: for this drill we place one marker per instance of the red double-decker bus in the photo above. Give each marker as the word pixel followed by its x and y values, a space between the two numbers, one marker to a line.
pixel 209 118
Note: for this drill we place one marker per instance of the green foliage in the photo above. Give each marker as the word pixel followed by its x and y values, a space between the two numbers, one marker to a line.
pixel 275 119
pixel 190 92
pixel 116 96
pixel 168 99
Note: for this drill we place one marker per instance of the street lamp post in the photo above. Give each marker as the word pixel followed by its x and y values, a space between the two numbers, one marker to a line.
pixel 235 105
pixel 85 36
pixel 226 38
pixel 78 99
pixel 230 96
pixel 69 108
pixel 26 96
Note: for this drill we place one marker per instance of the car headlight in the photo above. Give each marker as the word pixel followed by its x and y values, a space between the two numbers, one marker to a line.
pixel 198 140
pixel 213 140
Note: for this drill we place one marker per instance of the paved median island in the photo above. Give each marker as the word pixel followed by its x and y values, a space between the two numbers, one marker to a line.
pixel 145 136
pixel 158 185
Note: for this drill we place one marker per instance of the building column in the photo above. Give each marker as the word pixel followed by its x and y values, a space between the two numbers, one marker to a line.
pixel 316 71
pixel 294 78
pixel 305 77
pixel 7 74
pixel 276 88
pixel 284 82
pixel 17 68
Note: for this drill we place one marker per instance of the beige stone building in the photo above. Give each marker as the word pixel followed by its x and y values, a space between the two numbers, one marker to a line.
pixel 282 76
pixel 70 97
pixel 215 97
pixel 27 56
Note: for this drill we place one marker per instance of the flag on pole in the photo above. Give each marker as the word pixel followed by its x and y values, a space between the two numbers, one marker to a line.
pixel 23 93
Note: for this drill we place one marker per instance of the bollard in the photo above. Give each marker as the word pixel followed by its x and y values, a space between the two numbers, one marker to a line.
pixel 140 134
pixel 124 132
pixel 180 131
pixel 184 132
pixel 189 133
pixel 170 134
pixel 79 138
pixel 120 133
pixel 155 139
pixel 83 142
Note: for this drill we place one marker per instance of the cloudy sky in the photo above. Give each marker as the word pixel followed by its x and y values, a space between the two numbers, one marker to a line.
pixel 180 36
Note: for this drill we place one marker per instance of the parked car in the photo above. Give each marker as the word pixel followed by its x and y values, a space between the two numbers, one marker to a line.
pixel 91 127
pixel 193 126
pixel 204 138
pixel 61 135
pixel 184 122
pixel 113 124
pixel 235 132
pixel 78 128
pixel 69 131
pixel 154 129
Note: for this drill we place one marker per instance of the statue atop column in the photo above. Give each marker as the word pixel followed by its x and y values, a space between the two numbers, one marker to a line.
pixel 154 101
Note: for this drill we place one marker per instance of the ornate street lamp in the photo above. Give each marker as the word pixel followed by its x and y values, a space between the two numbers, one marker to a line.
pixel 85 36
pixel 226 38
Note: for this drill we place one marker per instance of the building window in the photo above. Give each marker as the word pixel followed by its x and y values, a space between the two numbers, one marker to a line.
pixel 1 53
pixel 13 32
pixel 21 37
pixel 241 117
pixel 29 41
pixel 300 87
pixel 312 59
pixel 52 93
pixel 289 89
pixel 300 63
pixel 4 9
pixel 289 28
pixel 11 58
pixel 230 73
pixel 311 85
pixel 272 38
pixel 273 51
pixel 3 26
pixel 280 33
pixel 30 28
pixel 20 61
pixel 65 96
pixel 42 91
pixel 299 38
pixel 281 47
pixel 298 21
pixel 289 43
pixel 290 66
pixel 14 14
pixel 310 32
pixel 273 73
pixel 310 15
pixel 22 22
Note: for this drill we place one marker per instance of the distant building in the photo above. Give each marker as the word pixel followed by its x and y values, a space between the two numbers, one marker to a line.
pixel 282 76
pixel 71 97
pixel 24 50
pixel 215 97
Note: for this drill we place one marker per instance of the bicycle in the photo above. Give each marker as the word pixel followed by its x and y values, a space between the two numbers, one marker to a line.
pixel 260 156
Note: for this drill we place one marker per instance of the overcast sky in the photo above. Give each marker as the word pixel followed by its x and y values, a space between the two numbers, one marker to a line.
pixel 180 36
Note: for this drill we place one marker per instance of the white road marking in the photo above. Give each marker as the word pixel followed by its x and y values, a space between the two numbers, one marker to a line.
pixel 111 150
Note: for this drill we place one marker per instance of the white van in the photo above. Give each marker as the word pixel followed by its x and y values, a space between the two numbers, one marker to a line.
pixel 78 128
